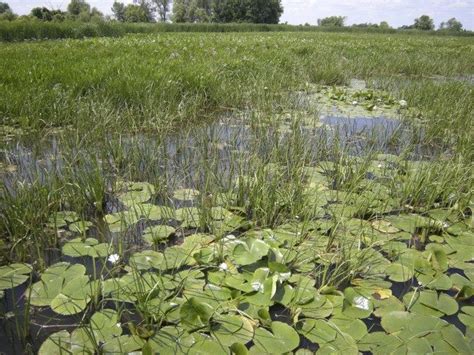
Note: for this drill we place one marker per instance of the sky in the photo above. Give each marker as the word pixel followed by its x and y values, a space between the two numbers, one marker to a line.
pixel 395 12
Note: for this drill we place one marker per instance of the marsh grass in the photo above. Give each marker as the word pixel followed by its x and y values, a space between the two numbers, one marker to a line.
pixel 148 109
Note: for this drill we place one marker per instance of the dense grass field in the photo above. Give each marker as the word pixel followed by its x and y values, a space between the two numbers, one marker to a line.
pixel 269 192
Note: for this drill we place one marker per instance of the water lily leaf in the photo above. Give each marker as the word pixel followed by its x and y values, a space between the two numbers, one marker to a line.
pixel 121 221
pixel 455 339
pixel 430 303
pixel 14 275
pixel 152 212
pixel 171 340
pixel 435 282
pixel 319 307
pixel 410 223
pixel 123 344
pixel 157 234
pixel 134 197
pixel 411 323
pixel 190 217
pixel 467 316
pixel 353 327
pixel 105 325
pixel 318 331
pixel 80 226
pixel 282 339
pixel 232 329
pixel 239 349
pixel 387 305
pixel 52 281
pixel 343 344
pixel 284 294
pixel 67 306
pixel 399 273
pixel 90 247
pixel 374 342
pixel 195 314
pixel 62 219
pixel 186 194
pixel 146 260
pixel 205 346
pixel 384 227
pixel 250 251
pixel 176 257
pixel 439 260
pixel 57 344
pixel 356 304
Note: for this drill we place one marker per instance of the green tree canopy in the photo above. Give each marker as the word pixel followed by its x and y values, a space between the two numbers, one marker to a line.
pixel 76 7
pixel 118 9
pixel 135 13
pixel 452 25
pixel 4 8
pixel 42 13
pixel 332 21
pixel 225 11
pixel 424 23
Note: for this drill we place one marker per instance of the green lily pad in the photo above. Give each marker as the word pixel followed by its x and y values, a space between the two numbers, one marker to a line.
pixel 280 340
pixel 467 316
pixel 318 331
pixel 354 327
pixel 157 234
pixel 52 282
pixel 250 251
pixel 89 247
pixel 80 226
pixel 195 314
pixel 14 275
pixel 186 194
pixel 123 344
pixel 231 329
pixel 147 259
pixel 356 304
pixel 171 340
pixel 105 325
pixel 430 303
pixel 62 219
pixel 399 273
pixel 57 344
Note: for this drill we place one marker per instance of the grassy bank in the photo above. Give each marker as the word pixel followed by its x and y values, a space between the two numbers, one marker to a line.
pixel 21 30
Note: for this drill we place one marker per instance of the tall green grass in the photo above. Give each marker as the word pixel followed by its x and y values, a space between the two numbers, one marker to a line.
pixel 21 30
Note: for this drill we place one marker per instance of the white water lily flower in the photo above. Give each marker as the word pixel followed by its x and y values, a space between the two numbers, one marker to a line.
pixel 118 325
pixel 228 238
pixel 403 103
pixel 223 267
pixel 257 286
pixel 361 303
pixel 355 103
pixel 113 258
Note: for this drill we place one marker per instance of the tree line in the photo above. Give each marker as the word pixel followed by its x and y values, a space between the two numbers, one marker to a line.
pixel 200 11
pixel 422 23
pixel 204 11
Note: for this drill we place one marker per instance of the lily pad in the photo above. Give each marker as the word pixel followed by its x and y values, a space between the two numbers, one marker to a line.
pixel 186 194
pixel 280 340
pixel 430 303
pixel 157 234
pixel 231 329
pixel 14 275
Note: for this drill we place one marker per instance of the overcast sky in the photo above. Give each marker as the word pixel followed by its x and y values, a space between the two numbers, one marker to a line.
pixel 396 12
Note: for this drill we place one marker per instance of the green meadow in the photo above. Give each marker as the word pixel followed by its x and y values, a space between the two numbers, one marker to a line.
pixel 237 193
